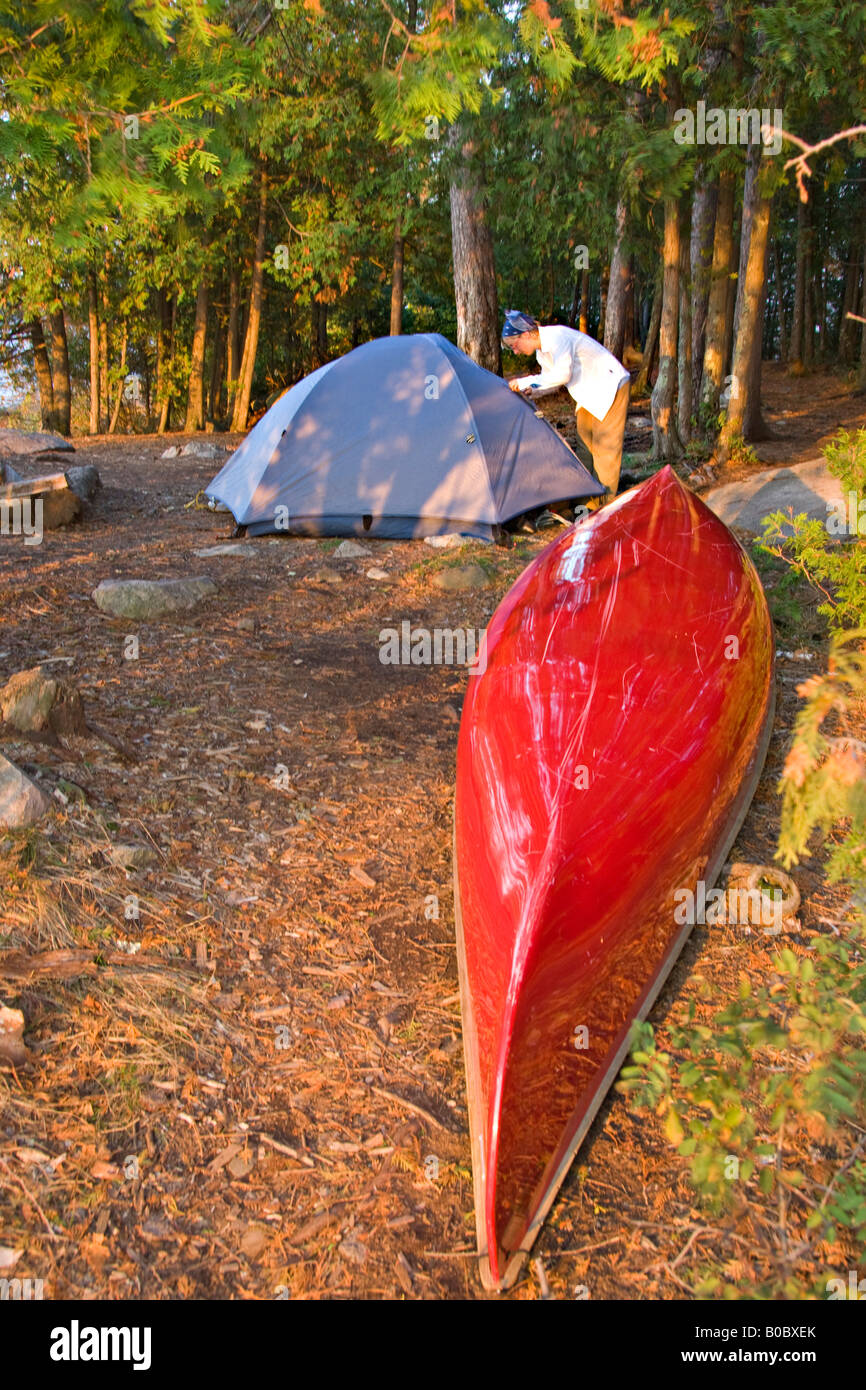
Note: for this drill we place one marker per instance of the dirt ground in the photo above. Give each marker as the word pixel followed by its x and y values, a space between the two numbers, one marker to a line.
pixel 245 1075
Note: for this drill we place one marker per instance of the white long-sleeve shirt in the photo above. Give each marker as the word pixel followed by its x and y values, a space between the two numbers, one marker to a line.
pixel 590 373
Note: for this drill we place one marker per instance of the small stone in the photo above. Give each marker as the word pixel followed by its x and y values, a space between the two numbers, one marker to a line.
pixel 450 542
pixel 131 856
pixel 352 1249
pixel 253 1240
pixel 376 573
pixel 235 548
pixel 21 801
pixel 12 1047
pixel 151 598
pixel 351 550
pixel 459 577
pixel 33 702
pixel 170 453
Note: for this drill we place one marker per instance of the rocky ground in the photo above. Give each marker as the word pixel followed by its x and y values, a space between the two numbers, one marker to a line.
pixel 232 936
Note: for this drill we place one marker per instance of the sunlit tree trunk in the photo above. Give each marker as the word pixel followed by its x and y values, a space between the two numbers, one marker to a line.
pixel 666 441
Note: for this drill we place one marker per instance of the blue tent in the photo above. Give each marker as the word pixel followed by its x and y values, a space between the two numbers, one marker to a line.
pixel 404 436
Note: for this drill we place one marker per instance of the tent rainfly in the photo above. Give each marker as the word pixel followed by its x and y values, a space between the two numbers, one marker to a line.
pixel 403 436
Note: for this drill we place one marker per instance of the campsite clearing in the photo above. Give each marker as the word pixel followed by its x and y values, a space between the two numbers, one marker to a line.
pixel 255 1086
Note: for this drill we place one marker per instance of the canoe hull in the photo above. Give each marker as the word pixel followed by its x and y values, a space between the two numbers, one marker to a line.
pixel 607 758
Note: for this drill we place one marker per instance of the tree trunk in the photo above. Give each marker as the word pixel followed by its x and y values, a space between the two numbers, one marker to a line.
pixel 93 333
pixel 717 306
pixel 861 375
pixel 216 372
pixel 233 343
pixel 651 344
pixel 474 266
pixel 684 354
pixel 630 334
pixel 162 325
pixel 780 300
pixel 195 395
pixel 700 264
pixel 666 441
pixel 795 346
pixel 745 402
pixel 121 383
pixel 254 318
pixel 618 285
pixel 165 409
pixel 318 333
pixel 44 380
pixel 103 359
pixel 809 312
pixel 583 321
pixel 603 289
pixel 60 363
pixel 397 279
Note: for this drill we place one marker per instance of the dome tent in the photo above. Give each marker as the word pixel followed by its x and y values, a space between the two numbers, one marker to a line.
pixel 404 436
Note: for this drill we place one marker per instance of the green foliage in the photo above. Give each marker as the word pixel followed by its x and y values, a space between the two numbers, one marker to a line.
pixel 782 1065
pixel 824 779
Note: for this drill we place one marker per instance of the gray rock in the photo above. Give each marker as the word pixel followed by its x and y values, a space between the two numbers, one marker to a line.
pixel 235 548
pixel 84 481
pixel 199 450
pixel 33 702
pixel 808 487
pixel 151 598
pixel 462 577
pixel 170 453
pixel 21 801
pixel 450 542
pixel 352 550
pixel 131 856
pixel 377 573
pixel 24 443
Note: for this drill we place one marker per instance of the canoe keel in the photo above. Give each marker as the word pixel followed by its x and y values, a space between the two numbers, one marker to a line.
pixel 607 758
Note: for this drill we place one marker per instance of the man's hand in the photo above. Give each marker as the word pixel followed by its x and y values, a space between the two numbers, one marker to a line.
pixel 514 386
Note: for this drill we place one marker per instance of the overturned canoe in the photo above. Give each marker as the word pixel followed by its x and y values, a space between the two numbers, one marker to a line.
pixel 607 756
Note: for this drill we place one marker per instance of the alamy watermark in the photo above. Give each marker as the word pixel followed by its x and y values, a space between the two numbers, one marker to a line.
pixel 736 126
pixel 438 646
pixel 22 516
pixel 737 906
pixel 846 516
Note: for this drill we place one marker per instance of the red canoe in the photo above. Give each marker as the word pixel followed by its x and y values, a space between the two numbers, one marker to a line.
pixel 606 760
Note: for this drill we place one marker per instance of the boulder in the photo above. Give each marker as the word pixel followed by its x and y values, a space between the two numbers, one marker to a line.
pixel 351 550
pixel 21 801
pixel 450 542
pixel 199 450
pixel 24 443
pixel 84 481
pixel 807 487
pixel 231 548
pixel 34 702
pixel 151 598
pixel 459 577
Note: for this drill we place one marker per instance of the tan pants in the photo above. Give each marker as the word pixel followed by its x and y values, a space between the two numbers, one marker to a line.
pixel 603 439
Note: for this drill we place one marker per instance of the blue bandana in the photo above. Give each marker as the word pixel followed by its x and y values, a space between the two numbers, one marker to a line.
pixel 517 323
